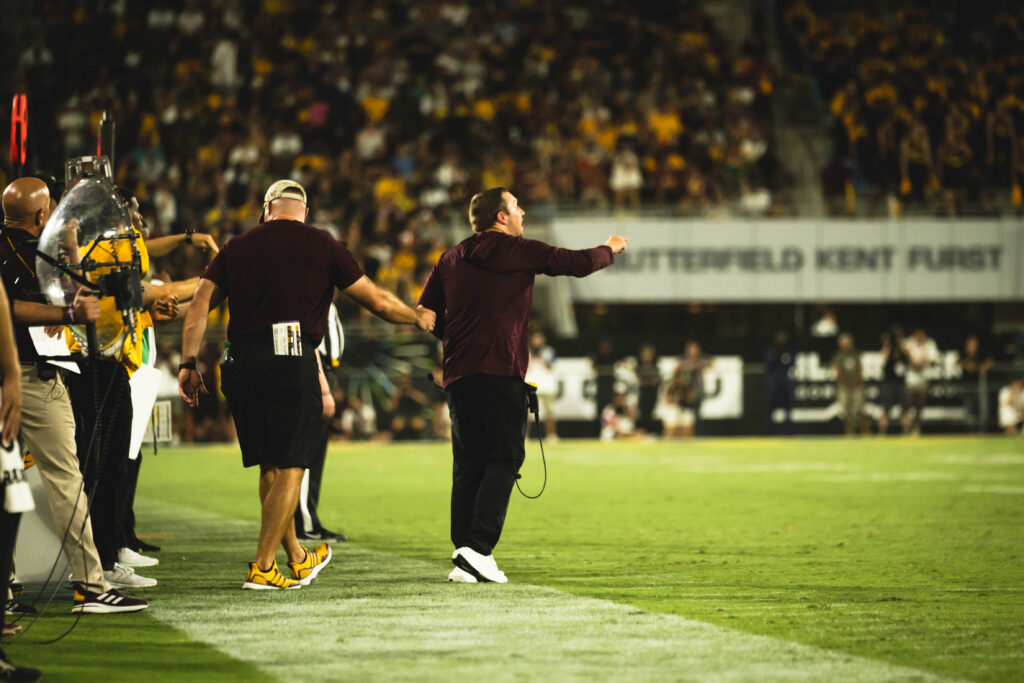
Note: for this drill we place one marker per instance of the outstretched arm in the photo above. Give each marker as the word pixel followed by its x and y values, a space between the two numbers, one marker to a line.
pixel 387 306
pixel 161 246
pixel 580 262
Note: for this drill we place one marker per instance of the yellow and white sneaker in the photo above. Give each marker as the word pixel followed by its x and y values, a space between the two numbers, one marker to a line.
pixel 272 579
pixel 304 572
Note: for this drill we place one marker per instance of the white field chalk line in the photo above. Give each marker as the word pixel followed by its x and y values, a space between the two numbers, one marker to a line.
pixel 398 619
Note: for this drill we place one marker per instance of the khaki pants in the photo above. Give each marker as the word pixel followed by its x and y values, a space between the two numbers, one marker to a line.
pixel 48 432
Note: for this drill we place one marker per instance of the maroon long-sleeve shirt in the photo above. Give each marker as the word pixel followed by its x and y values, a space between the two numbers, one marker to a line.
pixel 481 291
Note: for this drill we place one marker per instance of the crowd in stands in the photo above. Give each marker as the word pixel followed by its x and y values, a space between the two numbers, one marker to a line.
pixel 391 114
pixel 926 101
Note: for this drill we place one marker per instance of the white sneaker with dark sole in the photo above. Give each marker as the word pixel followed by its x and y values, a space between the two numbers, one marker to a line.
pixel 483 567
pixel 125 577
pixel 458 575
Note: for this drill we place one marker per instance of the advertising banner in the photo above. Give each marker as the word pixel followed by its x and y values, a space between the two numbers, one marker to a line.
pixel 806 260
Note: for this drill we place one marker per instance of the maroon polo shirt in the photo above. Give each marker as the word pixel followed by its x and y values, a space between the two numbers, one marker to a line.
pixel 281 271
pixel 481 291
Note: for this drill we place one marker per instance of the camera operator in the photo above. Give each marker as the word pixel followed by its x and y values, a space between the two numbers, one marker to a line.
pixel 481 291
pixel 279 279
pixel 104 437
pixel 162 298
pixel 48 424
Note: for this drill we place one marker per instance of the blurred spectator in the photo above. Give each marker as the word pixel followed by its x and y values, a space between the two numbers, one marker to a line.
pixel 974 370
pixel 693 366
pixel 626 178
pixel 922 354
pixel 674 405
pixel 826 325
pixel 1011 407
pixel 357 420
pixel 649 380
pixel 850 385
pixel 409 409
pixel 917 170
pixel 603 361
pixel 618 418
pixel 892 392
pixel 541 373
pixel 778 362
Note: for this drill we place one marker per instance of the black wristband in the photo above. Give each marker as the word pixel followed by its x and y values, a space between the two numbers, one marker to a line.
pixel 188 235
pixel 69 315
pixel 190 365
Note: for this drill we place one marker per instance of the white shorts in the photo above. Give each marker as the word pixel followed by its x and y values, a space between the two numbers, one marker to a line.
pixel 674 415
pixel 1009 416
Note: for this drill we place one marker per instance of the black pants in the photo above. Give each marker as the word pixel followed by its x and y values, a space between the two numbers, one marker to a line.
pixel 104 464
pixel 780 395
pixel 127 502
pixel 488 443
pixel 8 535
pixel 306 517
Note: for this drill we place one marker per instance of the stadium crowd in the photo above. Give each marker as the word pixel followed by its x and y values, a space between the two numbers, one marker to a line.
pixel 926 101
pixel 390 108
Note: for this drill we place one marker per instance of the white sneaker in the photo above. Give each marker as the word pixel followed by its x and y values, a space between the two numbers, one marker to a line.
pixel 125 577
pixel 461 576
pixel 130 558
pixel 483 567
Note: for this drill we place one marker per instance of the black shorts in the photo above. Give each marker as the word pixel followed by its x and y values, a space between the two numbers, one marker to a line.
pixel 275 402
pixel 892 394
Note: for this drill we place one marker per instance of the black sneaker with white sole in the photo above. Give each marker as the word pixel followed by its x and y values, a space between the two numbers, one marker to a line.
pixel 109 602
pixel 14 607
pixel 323 535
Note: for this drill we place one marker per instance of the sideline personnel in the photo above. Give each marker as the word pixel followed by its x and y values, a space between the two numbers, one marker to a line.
pixel 481 291
pixel 47 419
pixel 279 279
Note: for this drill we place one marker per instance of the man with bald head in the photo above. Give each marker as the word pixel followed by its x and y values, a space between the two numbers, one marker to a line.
pixel 48 423
pixel 279 279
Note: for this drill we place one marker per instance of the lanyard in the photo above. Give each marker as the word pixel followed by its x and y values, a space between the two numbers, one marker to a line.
pixel 18 254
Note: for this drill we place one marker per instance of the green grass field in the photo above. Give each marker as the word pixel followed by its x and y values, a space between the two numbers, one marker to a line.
pixel 719 559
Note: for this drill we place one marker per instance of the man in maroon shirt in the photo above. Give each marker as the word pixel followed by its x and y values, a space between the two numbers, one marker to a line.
pixel 279 279
pixel 481 291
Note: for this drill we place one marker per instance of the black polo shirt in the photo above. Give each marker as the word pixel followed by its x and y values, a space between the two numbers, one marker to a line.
pixel 18 269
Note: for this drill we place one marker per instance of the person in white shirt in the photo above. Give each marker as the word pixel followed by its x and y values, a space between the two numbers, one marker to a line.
pixel 541 373
pixel 1011 407
pixel 922 354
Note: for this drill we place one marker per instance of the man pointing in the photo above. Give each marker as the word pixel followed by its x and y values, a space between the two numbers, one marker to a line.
pixel 482 290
